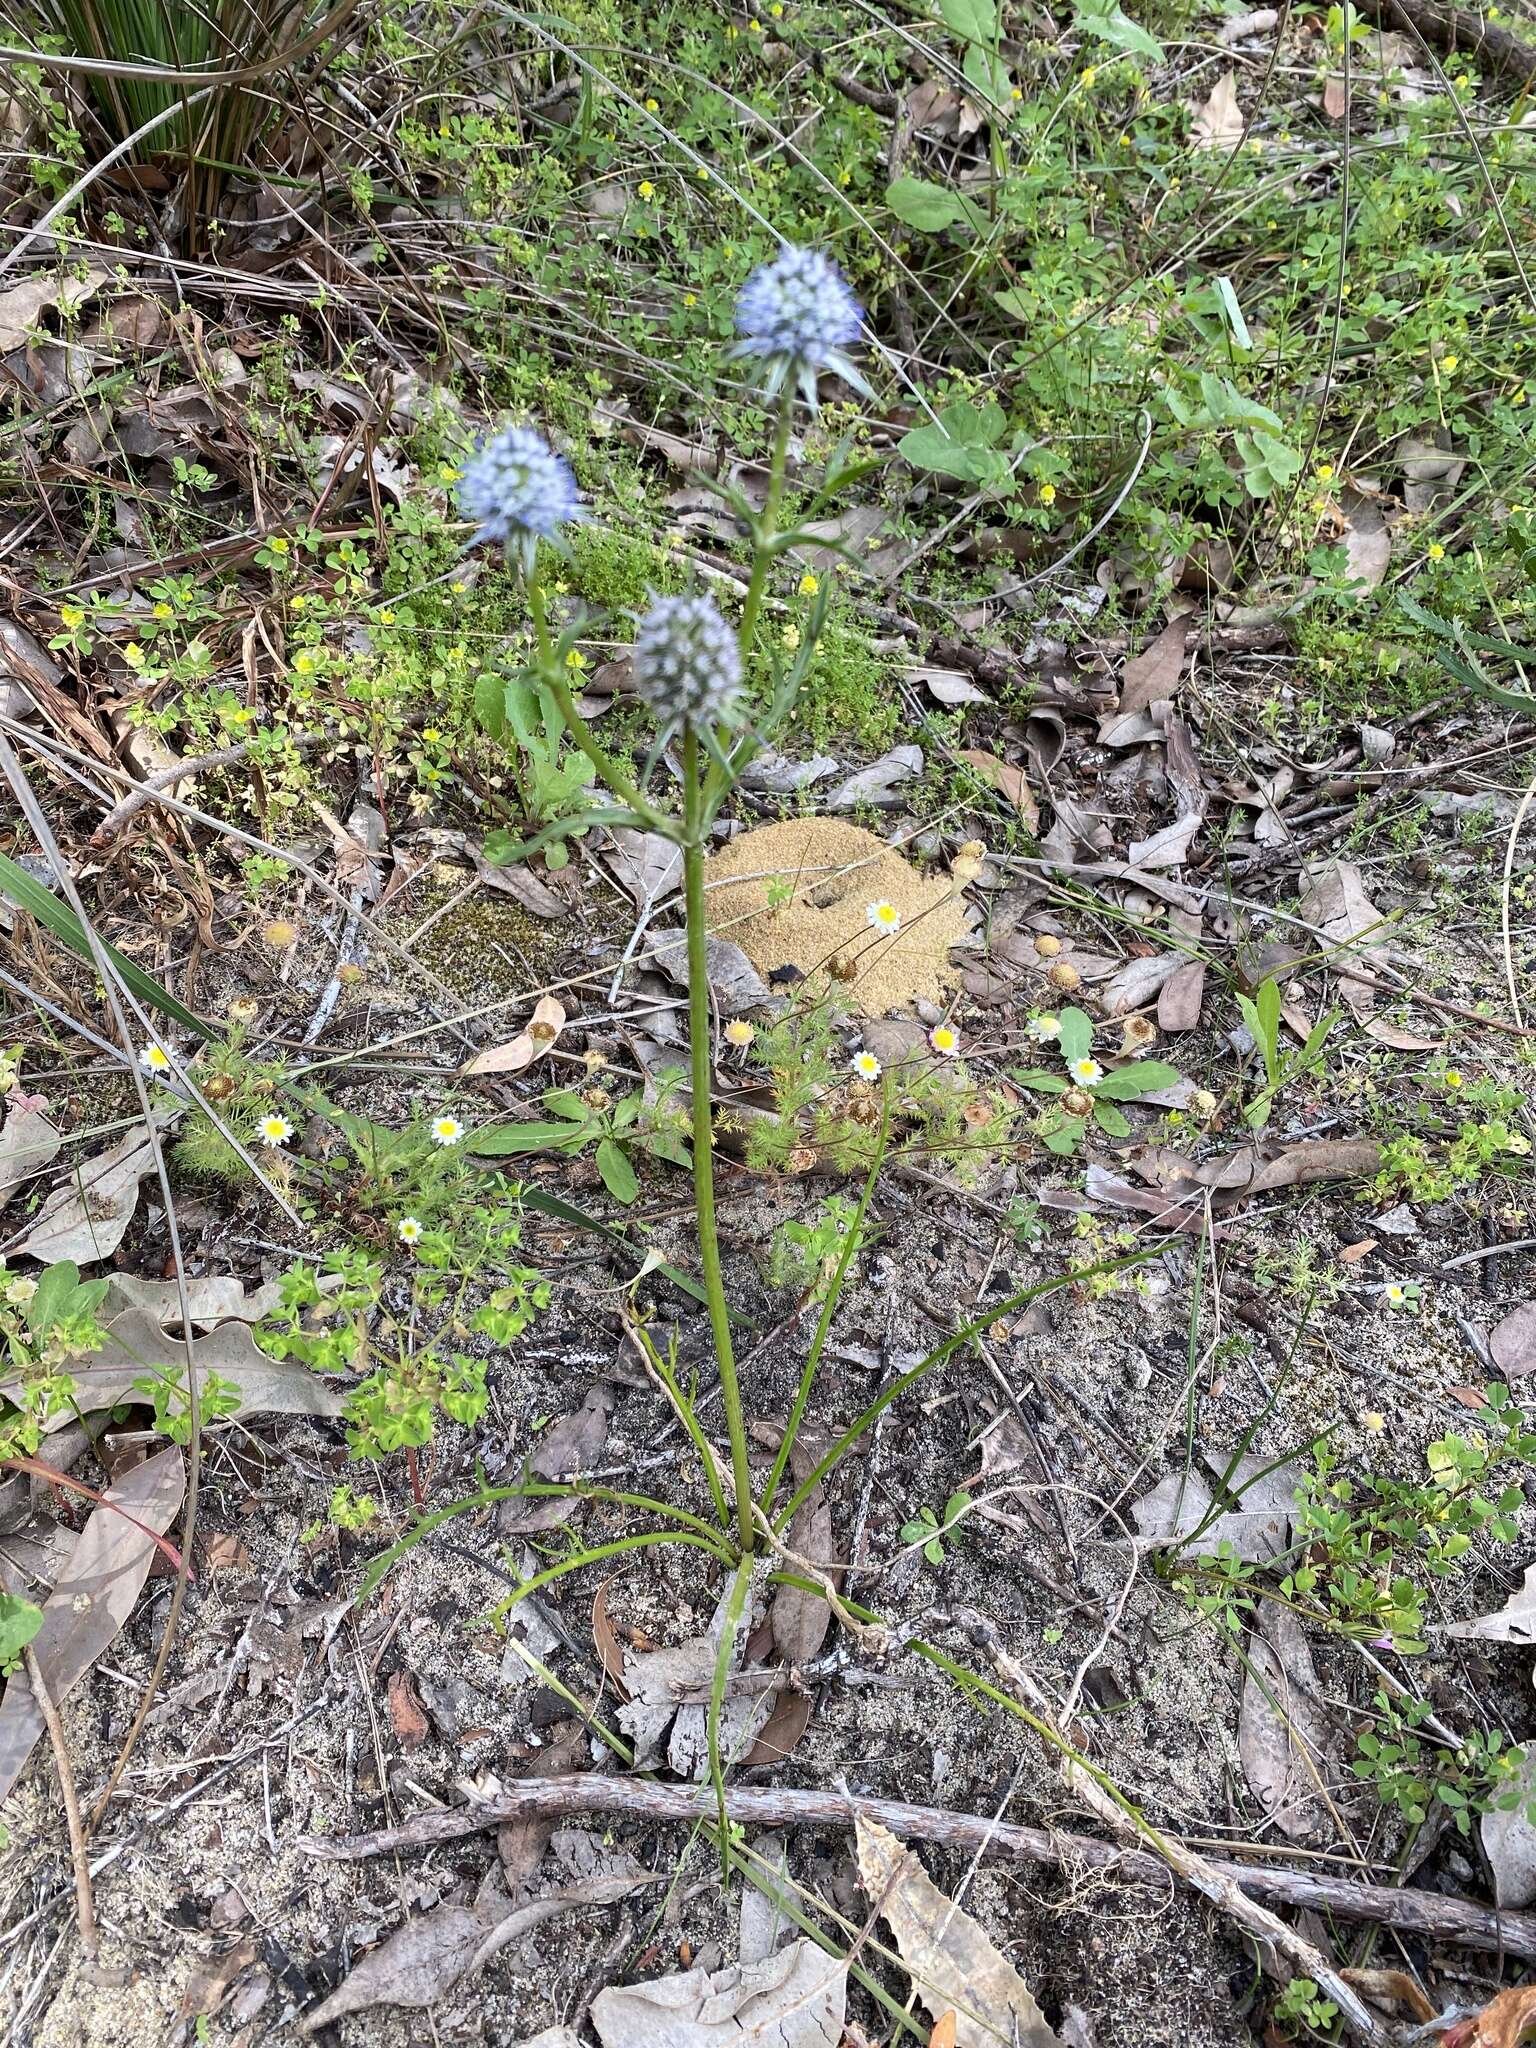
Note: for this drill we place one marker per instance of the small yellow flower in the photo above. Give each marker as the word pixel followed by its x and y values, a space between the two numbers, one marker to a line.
pixel 386 617
pixel 133 654
pixel 1396 1294
pixel 1086 1072
pixel 754 27
pixel 944 1040
pixel 446 1130
pixel 866 1066
pixel 1017 93
pixel 690 298
pixel 154 1059
pixel 448 472
pixel 304 664
pixel 431 734
pixel 458 589
pixel 790 637
pixel 72 616
pixel 299 601
pixel 884 917
pixel 274 1130
pixel 776 9
pixel 576 659
pixel 1324 472
pixel 1448 365
pixel 702 171
pixel 1047 494
pixel 277 545
pixel 1041 1028
pixel 646 190
pixel 1374 1421
pixel 739 1032
pixel 408 1230
pixel 1089 73
pixel 1452 1077
pixel 164 611
pixel 809 585
pixel 1435 551
pixel 653 106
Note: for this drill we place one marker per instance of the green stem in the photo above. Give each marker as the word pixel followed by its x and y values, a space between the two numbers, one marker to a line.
pixel 703 1133
pixel 578 728
pixel 765 532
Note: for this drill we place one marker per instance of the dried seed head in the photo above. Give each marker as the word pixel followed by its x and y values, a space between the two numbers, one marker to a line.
pixel 279 934
pixel 1047 945
pixel 842 968
pixel 542 1032
pixel 739 1032
pixel 1064 975
pixel 1136 1034
pixel 349 974
pixel 1203 1102
pixel 1077 1102
pixel 244 1010
pixel 966 865
pixel 802 1159
pixel 219 1087
pixel 596 1099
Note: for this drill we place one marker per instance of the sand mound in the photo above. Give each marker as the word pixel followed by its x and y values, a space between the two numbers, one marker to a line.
pixel 837 871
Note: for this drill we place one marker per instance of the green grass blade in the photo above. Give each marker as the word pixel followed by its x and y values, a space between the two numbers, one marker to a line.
pixel 28 894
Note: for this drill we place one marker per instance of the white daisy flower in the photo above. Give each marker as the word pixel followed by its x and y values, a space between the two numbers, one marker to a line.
pixel 446 1130
pixel 1042 1028
pixel 408 1230
pixel 866 1066
pixel 884 917
pixel 944 1040
pixel 1086 1072
pixel 274 1130
pixel 154 1059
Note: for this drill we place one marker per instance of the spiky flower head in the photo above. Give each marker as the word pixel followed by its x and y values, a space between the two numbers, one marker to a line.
pixel 797 318
pixel 686 663
pixel 519 490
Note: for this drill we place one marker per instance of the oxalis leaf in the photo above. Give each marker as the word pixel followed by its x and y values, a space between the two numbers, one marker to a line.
pixel 28 894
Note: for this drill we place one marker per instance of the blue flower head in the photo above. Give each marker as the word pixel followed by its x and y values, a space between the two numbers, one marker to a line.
pixel 519 490
pixel 686 663
pixel 797 316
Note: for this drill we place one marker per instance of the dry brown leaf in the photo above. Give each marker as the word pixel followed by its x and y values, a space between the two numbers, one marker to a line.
pixel 1003 776
pixel 1257 1525
pixel 1512 1343
pixel 954 1966
pixel 1218 124
pixel 1337 906
pixel 1282 1725
pixel 87 1217
pixel 1367 539
pixel 136 1347
pixel 92 1597
pixel 1514 1622
pixel 24 304
pixel 943 2035
pixel 793 1999
pixel 28 1143
pixel 649 865
pixel 1151 677
pixel 406 1714
pixel 1502 2023
pixel 543 1031
pixel 223 1551
pixel 570 1445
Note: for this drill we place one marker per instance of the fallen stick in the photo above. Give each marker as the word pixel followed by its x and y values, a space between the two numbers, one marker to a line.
pixel 1430 1914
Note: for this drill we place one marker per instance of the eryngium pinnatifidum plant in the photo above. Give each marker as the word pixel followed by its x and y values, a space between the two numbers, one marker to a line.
pixel 796 319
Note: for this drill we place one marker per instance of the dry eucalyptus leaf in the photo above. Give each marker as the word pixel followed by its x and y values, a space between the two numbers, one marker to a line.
pixel 1281 1725
pixel 1003 776
pixel 136 1347
pixel 1512 1342
pixel 877 783
pixel 1257 1525
pixel 28 1143
pixel 734 982
pixel 1218 124
pixel 1137 982
pixel 1151 677
pixel 794 1999
pixel 87 1217
pixel 1337 905
pixel 1509 1841
pixel 211 1298
pixel 1515 1621
pixel 948 685
pixel 92 1598
pixel 573 1444
pixel 542 1031
pixel 649 865
pixel 1431 471
pixel 953 1965
pixel 1367 539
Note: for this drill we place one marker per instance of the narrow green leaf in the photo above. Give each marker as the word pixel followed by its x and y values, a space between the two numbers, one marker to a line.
pixel 502 1141
pixel 1037 1079
pixel 28 894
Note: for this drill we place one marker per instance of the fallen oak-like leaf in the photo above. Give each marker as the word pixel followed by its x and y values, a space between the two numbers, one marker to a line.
pixel 793 1999
pixel 1514 1622
pixel 92 1597
pixel 87 1217
pixel 955 1968
pixel 137 1348
pixel 1007 779
pixel 541 1032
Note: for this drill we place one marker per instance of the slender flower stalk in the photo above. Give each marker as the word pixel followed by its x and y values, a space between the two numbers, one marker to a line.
pixel 704 1135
